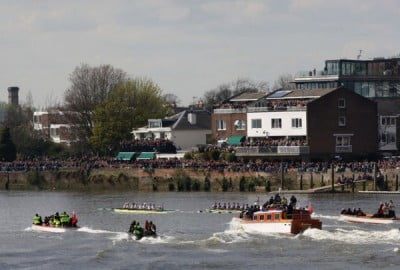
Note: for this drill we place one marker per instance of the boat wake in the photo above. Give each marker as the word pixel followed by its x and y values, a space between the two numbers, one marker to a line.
pixel 90 230
pixel 314 215
pixel 353 236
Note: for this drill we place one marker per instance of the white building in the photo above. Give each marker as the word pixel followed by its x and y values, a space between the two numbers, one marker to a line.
pixel 186 129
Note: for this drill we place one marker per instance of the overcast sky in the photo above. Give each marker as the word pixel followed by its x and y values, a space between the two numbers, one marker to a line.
pixel 186 47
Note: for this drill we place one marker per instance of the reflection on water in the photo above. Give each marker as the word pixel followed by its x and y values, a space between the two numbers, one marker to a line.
pixel 189 238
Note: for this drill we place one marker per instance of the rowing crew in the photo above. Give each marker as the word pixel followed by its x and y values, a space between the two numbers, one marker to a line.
pixel 229 206
pixel 141 206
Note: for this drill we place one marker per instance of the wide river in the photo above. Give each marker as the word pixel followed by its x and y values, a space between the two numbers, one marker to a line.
pixel 188 238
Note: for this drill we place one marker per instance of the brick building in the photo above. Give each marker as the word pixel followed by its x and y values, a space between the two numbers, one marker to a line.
pixel 229 119
pixel 316 123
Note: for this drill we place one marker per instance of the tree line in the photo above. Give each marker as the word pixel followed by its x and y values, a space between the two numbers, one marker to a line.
pixel 103 104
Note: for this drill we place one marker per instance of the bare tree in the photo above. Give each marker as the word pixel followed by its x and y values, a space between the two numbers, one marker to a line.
pixel 284 81
pixel 225 91
pixel 171 99
pixel 90 87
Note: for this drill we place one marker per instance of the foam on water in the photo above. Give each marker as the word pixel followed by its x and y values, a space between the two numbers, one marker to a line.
pixel 314 215
pixel 90 230
pixel 354 236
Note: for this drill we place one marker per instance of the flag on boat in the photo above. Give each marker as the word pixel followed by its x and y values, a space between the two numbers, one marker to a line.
pixel 310 209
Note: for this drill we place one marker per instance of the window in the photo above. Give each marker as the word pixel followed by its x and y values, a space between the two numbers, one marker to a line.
pixel 276 216
pixel 276 123
pixel 155 123
pixel 388 121
pixel 268 217
pixel 240 124
pixel 343 140
pixel 342 121
pixel 255 123
pixel 262 217
pixel 54 132
pixel 341 103
pixel 296 123
pixel 221 125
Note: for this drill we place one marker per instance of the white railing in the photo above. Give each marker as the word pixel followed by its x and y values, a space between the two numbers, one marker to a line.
pixel 344 149
pixel 230 110
pixel 271 109
pixel 272 150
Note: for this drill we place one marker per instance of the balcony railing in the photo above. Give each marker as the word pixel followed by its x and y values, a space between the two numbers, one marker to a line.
pixel 271 109
pixel 272 150
pixel 230 110
pixel 344 149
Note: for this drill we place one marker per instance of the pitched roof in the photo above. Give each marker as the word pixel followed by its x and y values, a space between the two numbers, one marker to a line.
pixel 203 120
pixel 300 93
pixel 247 96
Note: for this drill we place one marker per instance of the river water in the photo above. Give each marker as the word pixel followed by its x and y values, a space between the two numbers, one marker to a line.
pixel 189 239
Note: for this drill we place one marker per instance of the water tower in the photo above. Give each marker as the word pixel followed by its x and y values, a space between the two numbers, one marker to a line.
pixel 13 95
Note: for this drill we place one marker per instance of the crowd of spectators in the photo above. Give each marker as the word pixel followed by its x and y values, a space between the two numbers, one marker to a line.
pixel 366 168
pixel 154 145
pixel 284 104
pixel 275 142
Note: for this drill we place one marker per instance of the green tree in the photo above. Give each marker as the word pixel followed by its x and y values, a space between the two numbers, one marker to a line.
pixel 128 106
pixel 8 151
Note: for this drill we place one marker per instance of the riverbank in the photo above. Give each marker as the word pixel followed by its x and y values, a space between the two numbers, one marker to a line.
pixel 145 180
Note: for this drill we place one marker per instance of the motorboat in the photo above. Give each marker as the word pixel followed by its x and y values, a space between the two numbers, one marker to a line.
pixel 47 228
pixel 369 218
pixel 278 220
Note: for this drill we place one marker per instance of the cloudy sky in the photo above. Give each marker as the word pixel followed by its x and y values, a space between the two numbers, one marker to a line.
pixel 186 47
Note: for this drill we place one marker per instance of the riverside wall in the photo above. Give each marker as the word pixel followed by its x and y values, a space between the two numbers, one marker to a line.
pixel 144 180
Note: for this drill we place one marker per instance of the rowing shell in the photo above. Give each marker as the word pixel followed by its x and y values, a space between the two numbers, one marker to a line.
pixel 369 219
pixel 141 211
pixel 224 211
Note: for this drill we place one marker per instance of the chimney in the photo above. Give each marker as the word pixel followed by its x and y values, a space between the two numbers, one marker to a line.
pixel 192 118
pixel 13 95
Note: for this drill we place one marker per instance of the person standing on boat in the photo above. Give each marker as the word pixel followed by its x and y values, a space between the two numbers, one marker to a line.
pixel 74 220
pixel 391 209
pixel 153 228
pixel 37 220
pixel 65 220
pixel 284 201
pixel 132 227
pixel 293 201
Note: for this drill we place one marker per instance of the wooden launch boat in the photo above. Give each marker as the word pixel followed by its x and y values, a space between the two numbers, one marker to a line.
pixel 369 218
pixel 47 228
pixel 279 221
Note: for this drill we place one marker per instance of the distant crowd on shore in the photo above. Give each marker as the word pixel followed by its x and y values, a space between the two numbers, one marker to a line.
pixel 89 163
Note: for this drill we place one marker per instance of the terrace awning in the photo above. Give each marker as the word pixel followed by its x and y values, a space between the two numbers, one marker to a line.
pixel 125 155
pixel 235 140
pixel 146 155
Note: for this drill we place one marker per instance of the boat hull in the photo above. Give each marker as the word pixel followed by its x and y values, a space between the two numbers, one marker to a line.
pixel 263 227
pixel 40 228
pixel 140 211
pixel 369 219
pixel 224 211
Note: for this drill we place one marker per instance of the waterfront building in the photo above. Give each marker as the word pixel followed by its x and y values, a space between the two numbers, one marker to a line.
pixel 229 119
pixel 316 123
pixel 186 129
pixel 377 79
pixel 54 125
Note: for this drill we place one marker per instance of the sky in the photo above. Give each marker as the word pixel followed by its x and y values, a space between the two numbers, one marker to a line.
pixel 187 47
